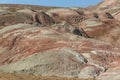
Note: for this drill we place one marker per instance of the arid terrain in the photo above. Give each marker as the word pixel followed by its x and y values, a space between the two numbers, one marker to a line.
pixel 8 76
pixel 56 43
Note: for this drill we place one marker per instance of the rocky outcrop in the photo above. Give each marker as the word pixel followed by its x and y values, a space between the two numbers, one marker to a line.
pixel 111 6
pixel 62 63
pixel 62 12
pixel 70 15
pixel 14 18
pixel 99 15
pixel 43 19
pixel 26 17
pixel 105 30
pixel 117 16
pixel 74 19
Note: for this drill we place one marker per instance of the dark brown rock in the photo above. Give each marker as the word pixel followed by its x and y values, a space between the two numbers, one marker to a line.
pixel 43 18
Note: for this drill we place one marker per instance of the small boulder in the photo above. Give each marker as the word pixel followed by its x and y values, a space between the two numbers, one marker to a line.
pixel 88 72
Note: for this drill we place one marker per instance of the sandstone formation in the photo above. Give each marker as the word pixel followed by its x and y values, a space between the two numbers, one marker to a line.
pixel 109 3
pixel 61 42
pixel 43 18
pixel 26 45
pixel 14 18
pixel 111 6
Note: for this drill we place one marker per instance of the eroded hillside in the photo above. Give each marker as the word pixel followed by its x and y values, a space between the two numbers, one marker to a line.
pixel 63 42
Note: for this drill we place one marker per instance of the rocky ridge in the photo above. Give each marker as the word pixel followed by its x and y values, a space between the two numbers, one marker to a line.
pixel 111 6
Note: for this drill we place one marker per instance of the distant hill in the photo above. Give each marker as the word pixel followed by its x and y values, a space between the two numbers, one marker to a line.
pixel 109 3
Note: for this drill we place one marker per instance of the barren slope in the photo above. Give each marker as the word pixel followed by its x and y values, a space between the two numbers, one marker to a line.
pixel 62 42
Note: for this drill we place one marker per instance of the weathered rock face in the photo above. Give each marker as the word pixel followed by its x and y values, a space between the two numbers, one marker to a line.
pixel 43 50
pixel 117 16
pixel 111 6
pixel 70 15
pixel 25 17
pixel 14 18
pixel 102 15
pixel 105 30
pixel 74 19
pixel 111 74
pixel 109 3
pixel 69 45
pixel 62 62
pixel 43 19
pixel 63 12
